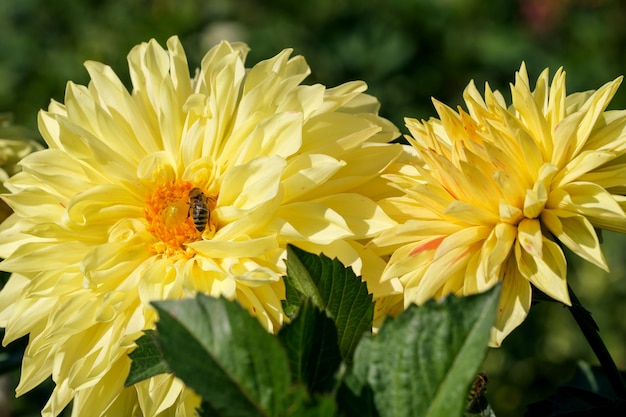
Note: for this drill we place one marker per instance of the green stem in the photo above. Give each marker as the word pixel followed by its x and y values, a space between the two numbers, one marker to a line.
pixel 590 330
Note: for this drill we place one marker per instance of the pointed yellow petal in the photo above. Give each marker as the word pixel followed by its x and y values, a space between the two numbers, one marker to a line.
pixel 415 230
pixel 577 233
pixel 588 199
pixel 585 162
pixel 407 264
pixel 537 197
pixel 530 238
pixel 548 272
pixel 494 252
pixel 450 266
pixel 514 303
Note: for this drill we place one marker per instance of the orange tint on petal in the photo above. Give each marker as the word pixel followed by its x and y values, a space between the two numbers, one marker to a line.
pixel 428 245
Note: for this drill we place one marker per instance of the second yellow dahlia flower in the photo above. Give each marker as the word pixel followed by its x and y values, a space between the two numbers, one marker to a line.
pixel 182 185
pixel 491 194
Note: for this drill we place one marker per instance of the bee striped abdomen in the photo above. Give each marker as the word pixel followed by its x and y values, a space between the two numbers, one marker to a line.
pixel 198 209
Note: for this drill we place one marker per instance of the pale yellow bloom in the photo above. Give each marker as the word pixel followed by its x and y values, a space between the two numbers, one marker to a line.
pixel 492 194
pixel 102 222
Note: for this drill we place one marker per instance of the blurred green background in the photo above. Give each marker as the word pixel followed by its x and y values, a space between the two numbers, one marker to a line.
pixel 407 51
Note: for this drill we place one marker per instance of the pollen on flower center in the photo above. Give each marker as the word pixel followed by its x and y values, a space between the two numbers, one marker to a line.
pixel 169 218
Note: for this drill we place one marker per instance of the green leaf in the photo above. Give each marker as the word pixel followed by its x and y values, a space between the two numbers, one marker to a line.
pixel 422 362
pixel 147 360
pixel 323 406
pixel 357 402
pixel 293 298
pixel 311 343
pixel 335 288
pixel 223 353
pixel 303 274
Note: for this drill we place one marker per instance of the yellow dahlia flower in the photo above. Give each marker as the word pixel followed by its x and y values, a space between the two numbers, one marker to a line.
pixel 182 185
pixel 493 193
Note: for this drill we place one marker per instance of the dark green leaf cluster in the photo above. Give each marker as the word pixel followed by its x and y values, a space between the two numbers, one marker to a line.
pixel 325 361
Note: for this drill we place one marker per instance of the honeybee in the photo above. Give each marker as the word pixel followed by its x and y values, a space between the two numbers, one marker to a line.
pixel 477 403
pixel 199 208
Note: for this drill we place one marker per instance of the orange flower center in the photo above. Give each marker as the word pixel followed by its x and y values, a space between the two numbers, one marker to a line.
pixel 170 215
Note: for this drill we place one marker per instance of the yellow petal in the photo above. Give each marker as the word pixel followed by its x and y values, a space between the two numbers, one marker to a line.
pixel 494 252
pixel 593 108
pixel 548 273
pixel 275 135
pixel 588 199
pixel 62 174
pixel 470 214
pixel 104 204
pixel 208 276
pixel 608 133
pixel 88 400
pixel 530 238
pixel 35 369
pixel 35 207
pixel 310 221
pixel 531 113
pixel 306 172
pixel 59 399
pixel 158 393
pixel 253 183
pixel 585 162
pixel 415 230
pixel 116 114
pixel 577 233
pixel 336 133
pixel 362 216
pixel 111 263
pixel 463 238
pixel 267 312
pixel 244 222
pixel 341 96
pixel 536 198
pixel 509 214
pixel 450 266
pixel 405 261
pixel 244 247
pixel 30 256
pixel 359 170
pixel 514 303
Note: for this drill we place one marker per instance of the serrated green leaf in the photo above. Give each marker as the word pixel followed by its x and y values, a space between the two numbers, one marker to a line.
pixel 422 362
pixel 293 298
pixel 223 353
pixel 147 360
pixel 335 288
pixel 301 279
pixel 311 343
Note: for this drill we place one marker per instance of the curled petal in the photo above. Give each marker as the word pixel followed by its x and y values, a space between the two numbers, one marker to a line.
pixel 548 272
pixel 577 233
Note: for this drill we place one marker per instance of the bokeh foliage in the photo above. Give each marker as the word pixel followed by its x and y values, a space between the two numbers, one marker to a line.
pixel 407 51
